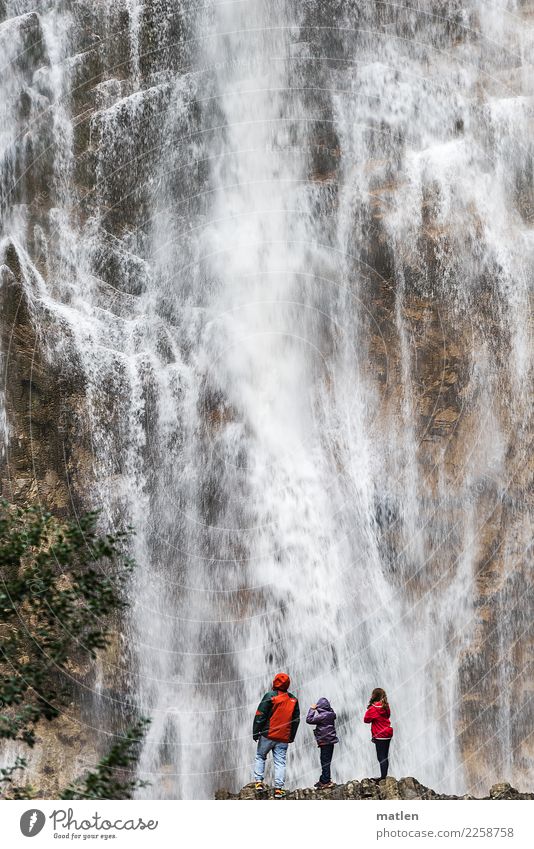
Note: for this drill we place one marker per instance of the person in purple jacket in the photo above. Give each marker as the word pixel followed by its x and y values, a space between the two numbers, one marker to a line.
pixel 323 717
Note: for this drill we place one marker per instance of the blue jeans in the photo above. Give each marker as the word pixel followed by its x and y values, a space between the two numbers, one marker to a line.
pixel 279 751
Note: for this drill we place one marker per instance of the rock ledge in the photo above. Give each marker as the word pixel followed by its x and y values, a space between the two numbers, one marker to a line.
pixel 368 788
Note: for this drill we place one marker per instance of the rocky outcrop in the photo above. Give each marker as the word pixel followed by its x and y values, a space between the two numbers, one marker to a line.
pixel 44 462
pixel 368 788
pixel 47 463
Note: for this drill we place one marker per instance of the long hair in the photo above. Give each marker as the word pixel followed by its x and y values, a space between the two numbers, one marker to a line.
pixel 379 695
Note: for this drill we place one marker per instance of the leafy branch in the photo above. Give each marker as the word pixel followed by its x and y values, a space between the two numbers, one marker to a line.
pixel 60 584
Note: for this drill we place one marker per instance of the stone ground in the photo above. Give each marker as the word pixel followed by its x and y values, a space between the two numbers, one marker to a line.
pixel 368 788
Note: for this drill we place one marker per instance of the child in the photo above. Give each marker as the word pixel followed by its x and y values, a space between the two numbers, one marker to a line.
pixel 274 728
pixel 378 713
pixel 323 717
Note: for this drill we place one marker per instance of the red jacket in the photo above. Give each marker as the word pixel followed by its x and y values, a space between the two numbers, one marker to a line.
pixel 378 716
pixel 278 716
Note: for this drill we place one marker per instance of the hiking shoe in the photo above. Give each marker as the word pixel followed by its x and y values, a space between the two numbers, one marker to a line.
pixel 328 786
pixel 259 785
pixel 280 793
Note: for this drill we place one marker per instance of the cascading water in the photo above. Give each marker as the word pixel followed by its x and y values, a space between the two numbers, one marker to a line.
pixel 286 248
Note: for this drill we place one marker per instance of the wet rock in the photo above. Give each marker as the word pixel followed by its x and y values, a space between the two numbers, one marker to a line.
pixel 353 789
pixel 504 790
pixel 43 465
pixel 223 795
pixel 33 396
pixel 389 788
pixel 33 53
pixel 369 788
pixel 248 792
pixel 409 788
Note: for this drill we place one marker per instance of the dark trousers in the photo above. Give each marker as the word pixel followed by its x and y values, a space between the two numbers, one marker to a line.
pixel 382 752
pixel 326 759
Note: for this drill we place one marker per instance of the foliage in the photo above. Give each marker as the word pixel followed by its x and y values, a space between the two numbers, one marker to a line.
pixel 60 582
pixel 10 790
pixel 111 778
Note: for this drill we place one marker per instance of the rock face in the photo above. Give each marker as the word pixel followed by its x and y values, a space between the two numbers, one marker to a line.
pixel 46 463
pixel 387 789
pixel 45 459
pixel 100 108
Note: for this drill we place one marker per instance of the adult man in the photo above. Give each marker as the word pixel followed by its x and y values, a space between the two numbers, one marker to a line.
pixel 275 725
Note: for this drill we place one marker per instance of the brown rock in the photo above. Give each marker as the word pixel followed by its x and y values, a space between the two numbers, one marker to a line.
pixel 409 788
pixel 389 788
pixel 368 788
pixel 501 790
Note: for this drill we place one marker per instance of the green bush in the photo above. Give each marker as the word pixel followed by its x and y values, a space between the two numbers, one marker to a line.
pixel 60 584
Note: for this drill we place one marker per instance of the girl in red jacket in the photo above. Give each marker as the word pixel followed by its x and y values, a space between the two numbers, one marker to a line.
pixel 378 714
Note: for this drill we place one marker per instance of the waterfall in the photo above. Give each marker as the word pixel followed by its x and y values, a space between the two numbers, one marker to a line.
pixel 283 253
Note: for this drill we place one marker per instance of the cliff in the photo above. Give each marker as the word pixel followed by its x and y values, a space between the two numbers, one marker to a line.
pixel 108 182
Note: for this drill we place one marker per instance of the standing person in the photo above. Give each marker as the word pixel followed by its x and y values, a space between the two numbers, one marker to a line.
pixel 378 713
pixel 275 725
pixel 324 718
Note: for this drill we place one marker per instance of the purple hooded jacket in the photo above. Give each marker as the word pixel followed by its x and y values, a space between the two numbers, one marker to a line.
pixel 324 719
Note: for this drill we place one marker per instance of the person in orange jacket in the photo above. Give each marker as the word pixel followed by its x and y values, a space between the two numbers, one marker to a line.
pixel 377 714
pixel 275 725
